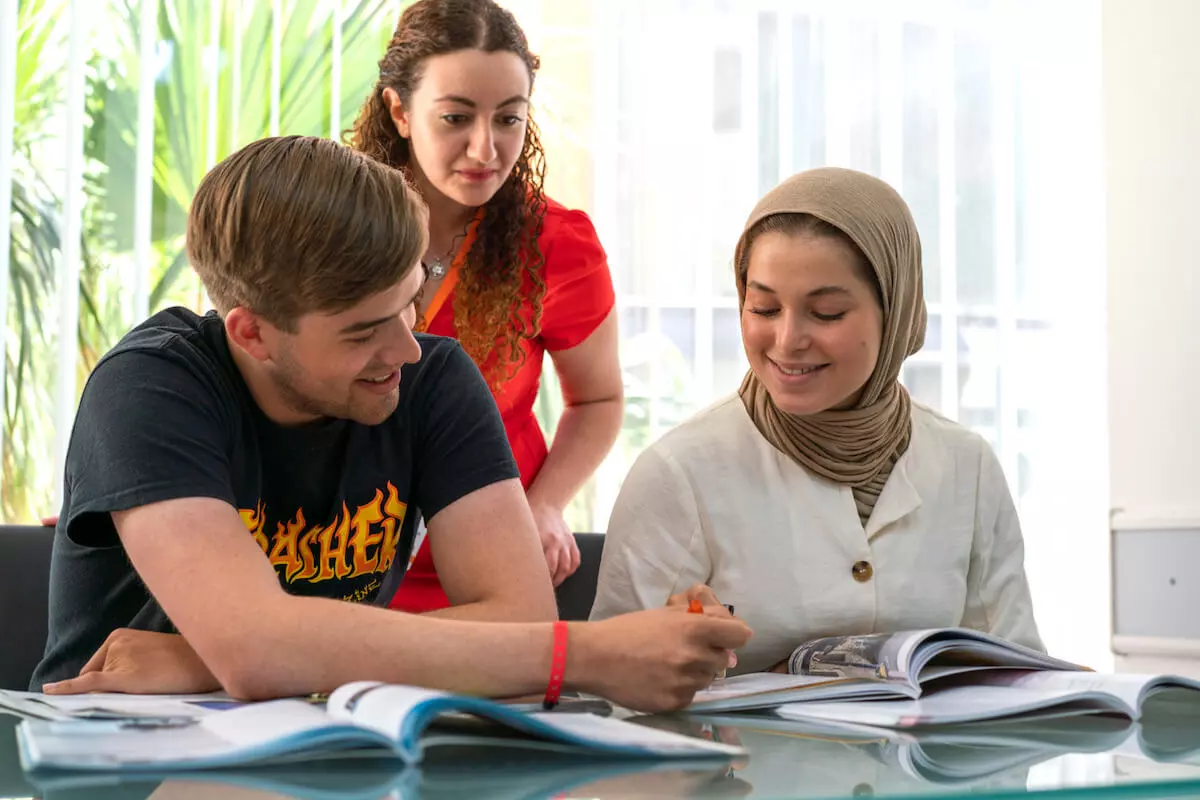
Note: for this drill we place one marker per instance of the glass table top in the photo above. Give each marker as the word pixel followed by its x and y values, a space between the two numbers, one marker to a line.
pixel 1099 758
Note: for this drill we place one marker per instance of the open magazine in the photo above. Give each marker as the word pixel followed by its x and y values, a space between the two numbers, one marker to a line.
pixel 1025 694
pixel 111 706
pixel 118 706
pixel 874 666
pixel 396 721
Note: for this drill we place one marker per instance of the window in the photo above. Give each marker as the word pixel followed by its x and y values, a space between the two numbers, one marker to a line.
pixel 665 120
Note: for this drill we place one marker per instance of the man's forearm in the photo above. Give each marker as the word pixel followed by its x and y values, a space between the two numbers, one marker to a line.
pixel 492 611
pixel 281 655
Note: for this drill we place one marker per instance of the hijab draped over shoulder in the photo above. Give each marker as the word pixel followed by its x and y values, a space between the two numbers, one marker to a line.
pixel 856 446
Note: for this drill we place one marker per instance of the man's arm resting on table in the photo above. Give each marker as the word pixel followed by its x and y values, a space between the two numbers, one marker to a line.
pixel 489 558
pixel 260 642
pixel 224 597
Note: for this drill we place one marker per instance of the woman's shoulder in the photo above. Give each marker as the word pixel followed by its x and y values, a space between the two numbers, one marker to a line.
pixel 723 427
pixel 944 434
pixel 561 224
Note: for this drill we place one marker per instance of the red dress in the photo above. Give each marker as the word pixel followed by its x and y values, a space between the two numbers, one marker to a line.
pixel 579 296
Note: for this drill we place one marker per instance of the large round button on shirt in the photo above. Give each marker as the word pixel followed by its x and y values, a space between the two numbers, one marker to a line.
pixel 862 571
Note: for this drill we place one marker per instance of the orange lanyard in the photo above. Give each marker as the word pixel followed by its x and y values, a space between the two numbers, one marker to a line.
pixel 451 279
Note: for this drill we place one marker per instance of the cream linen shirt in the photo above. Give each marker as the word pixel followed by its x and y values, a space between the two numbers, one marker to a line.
pixel 713 502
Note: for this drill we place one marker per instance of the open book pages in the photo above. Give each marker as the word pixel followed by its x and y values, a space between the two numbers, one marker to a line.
pixel 399 721
pixel 757 690
pixel 35 705
pixel 1174 693
pixel 914 656
pixel 960 704
pixel 885 665
pixel 1023 694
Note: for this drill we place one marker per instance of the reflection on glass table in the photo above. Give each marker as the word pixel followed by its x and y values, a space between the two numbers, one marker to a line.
pixel 1107 755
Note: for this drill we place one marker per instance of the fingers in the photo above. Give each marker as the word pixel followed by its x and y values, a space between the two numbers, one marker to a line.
pixel 91 682
pixel 551 556
pixel 727 633
pixel 573 552
pixel 96 662
pixel 51 521
pixel 559 560
pixel 562 565
pixel 705 595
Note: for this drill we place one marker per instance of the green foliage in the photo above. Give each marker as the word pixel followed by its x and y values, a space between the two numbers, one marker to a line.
pixel 192 78
pixel 213 89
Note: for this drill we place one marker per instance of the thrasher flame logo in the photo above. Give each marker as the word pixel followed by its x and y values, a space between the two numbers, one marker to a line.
pixel 362 543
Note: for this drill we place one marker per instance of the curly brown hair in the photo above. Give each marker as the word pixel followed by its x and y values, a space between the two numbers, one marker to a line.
pixel 491 287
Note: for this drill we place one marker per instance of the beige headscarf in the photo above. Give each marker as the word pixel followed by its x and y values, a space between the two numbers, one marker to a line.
pixel 856 446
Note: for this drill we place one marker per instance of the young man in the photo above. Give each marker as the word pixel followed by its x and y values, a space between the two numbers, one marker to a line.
pixel 306 411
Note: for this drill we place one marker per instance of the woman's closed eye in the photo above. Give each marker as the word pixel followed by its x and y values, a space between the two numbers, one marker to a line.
pixel 829 317
pixel 764 311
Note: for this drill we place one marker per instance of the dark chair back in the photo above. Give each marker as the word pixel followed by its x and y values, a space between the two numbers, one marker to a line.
pixel 576 594
pixel 24 599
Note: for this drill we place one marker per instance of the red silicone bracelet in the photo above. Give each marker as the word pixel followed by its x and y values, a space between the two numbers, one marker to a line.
pixel 558 666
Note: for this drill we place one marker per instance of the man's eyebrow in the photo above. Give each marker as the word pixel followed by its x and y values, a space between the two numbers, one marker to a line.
pixel 367 324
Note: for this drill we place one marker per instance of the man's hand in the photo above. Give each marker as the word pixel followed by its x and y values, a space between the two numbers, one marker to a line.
pixel 653 660
pixel 141 662
pixel 706 597
pixel 712 607
pixel 558 543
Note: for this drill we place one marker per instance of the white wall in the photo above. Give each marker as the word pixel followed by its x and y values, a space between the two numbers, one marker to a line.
pixel 1151 73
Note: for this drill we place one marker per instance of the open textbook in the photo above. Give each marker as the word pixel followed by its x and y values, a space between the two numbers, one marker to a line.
pixel 397 721
pixel 874 666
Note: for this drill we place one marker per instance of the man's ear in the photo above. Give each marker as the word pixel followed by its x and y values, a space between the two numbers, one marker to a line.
pixel 391 99
pixel 250 333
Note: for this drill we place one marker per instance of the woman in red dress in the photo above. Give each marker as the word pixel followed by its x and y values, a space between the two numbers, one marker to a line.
pixel 511 273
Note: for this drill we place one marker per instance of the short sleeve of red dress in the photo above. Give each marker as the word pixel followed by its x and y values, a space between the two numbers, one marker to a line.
pixel 579 287
pixel 578 296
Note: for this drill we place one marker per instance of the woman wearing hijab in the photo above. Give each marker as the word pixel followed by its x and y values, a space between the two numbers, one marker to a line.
pixel 820 500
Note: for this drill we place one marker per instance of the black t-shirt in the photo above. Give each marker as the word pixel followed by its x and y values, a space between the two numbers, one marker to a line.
pixel 333 504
